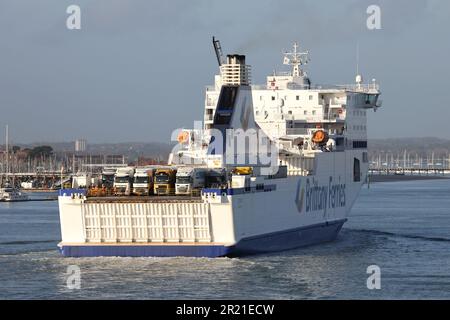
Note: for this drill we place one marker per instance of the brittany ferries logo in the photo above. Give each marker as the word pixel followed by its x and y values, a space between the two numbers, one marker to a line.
pixel 317 197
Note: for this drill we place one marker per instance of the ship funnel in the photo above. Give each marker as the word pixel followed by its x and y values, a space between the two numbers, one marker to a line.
pixel 235 71
pixel 236 59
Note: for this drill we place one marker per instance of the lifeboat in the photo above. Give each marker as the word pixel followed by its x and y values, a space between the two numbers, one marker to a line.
pixel 183 137
pixel 320 137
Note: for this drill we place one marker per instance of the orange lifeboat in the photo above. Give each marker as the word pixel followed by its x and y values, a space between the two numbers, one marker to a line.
pixel 183 137
pixel 320 137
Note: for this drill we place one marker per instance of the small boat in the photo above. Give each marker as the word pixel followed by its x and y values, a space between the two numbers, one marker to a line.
pixel 11 194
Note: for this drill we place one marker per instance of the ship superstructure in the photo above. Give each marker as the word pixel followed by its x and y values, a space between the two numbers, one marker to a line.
pixel 284 163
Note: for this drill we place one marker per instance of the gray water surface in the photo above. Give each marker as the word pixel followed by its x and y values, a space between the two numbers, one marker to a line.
pixel 403 227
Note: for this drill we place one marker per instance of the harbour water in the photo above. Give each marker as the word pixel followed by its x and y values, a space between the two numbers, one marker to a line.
pixel 403 227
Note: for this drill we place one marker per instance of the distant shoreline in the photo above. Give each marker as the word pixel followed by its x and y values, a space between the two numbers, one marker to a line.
pixel 40 190
pixel 396 178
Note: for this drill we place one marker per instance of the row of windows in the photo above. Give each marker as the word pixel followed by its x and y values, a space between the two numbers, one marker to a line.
pixel 359 144
pixel 305 112
pixel 359 128
pixel 286 97
pixel 359 113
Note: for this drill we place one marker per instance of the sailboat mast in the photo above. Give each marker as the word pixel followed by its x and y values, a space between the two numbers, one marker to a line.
pixel 7 152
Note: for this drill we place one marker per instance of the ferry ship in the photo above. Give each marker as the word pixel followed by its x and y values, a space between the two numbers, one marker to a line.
pixel 314 140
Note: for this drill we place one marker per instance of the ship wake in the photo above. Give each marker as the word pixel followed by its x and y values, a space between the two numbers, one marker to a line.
pixel 401 235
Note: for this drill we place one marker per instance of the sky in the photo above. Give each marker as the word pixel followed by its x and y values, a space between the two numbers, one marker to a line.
pixel 137 69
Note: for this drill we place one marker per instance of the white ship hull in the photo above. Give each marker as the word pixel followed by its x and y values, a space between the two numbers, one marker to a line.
pixel 286 213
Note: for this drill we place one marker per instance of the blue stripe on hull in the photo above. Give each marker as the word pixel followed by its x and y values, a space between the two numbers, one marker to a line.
pixel 144 250
pixel 278 241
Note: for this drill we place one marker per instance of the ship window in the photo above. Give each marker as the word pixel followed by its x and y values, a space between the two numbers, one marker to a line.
pixel 360 144
pixel 356 170
pixel 310 97
pixel 305 112
pixel 314 112
pixel 273 98
pixel 297 97
pixel 290 112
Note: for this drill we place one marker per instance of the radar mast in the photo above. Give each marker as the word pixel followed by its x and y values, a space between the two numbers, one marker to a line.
pixel 296 58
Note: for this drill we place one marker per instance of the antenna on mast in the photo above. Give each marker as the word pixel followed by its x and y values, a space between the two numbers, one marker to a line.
pixel 7 151
pixel 359 78
pixel 357 58
pixel 296 59
pixel 218 50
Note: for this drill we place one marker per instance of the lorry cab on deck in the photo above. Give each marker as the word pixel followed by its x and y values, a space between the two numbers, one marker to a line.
pixel 216 178
pixel 164 183
pixel 143 181
pixel 123 181
pixel 190 180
